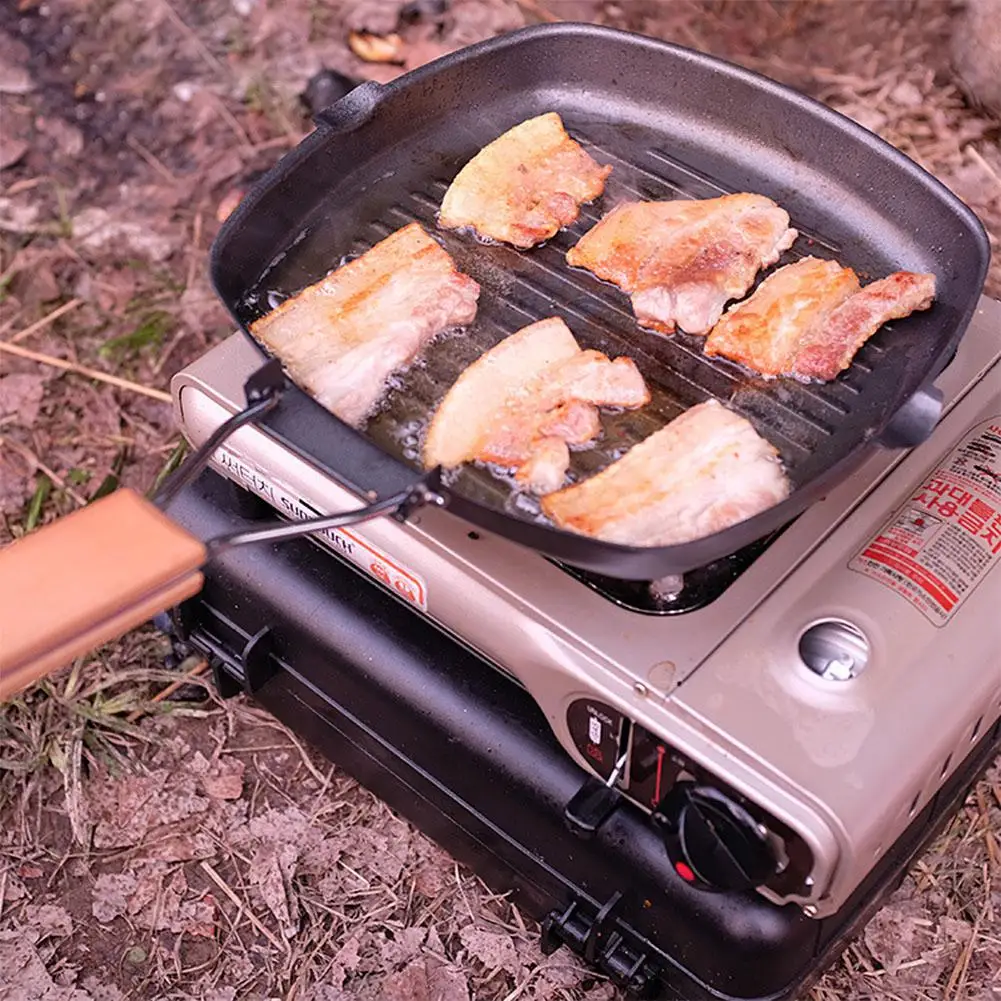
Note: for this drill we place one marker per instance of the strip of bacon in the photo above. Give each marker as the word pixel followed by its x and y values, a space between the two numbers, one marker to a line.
pixel 810 318
pixel 526 400
pixel 525 186
pixel 682 261
pixel 704 472
pixel 342 338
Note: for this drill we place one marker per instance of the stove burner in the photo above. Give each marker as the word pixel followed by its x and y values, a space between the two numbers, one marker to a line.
pixel 675 595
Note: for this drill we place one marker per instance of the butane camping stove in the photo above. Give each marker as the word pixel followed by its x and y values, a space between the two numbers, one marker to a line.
pixel 701 784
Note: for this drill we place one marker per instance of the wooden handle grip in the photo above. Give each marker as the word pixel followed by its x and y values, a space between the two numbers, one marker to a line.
pixel 87 579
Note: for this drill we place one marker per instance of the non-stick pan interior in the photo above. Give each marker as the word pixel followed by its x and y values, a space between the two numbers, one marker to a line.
pixel 674 125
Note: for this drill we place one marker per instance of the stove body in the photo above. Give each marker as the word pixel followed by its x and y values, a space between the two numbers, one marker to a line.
pixel 816 701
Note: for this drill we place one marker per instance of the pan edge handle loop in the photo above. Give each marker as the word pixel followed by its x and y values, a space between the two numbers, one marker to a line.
pixel 914 422
pixel 352 110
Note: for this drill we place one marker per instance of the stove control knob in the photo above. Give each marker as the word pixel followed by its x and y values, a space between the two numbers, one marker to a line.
pixel 714 843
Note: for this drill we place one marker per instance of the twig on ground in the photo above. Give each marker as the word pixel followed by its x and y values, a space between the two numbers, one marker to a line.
pixel 540 11
pixel 192 37
pixel 27 454
pixel 196 240
pixel 19 187
pixel 980 161
pixel 230 120
pixel 182 332
pixel 89 373
pixel 265 719
pixel 277 143
pixel 152 159
pixel 184 679
pixel 242 908
pixel 7 324
pixel 957 979
pixel 45 320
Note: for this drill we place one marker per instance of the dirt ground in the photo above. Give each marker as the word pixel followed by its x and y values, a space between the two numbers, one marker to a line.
pixel 180 848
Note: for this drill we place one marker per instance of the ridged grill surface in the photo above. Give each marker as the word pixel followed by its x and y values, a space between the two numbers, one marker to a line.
pixel 520 287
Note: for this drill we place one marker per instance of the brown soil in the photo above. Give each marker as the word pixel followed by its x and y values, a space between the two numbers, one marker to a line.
pixel 188 849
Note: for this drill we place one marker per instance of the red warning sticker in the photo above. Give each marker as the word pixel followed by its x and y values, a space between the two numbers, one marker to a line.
pixel 946 538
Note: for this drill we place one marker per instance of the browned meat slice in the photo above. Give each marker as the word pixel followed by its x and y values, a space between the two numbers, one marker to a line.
pixel 764 332
pixel 342 338
pixel 682 261
pixel 810 318
pixel 522 403
pixel 525 186
pixel 704 472
pixel 830 347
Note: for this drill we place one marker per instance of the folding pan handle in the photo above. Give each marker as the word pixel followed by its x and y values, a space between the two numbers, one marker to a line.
pixel 111 566
pixel 87 579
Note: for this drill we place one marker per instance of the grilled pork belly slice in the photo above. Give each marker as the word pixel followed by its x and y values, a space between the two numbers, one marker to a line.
pixel 830 347
pixel 525 186
pixel 810 318
pixel 704 472
pixel 682 261
pixel 526 400
pixel 342 338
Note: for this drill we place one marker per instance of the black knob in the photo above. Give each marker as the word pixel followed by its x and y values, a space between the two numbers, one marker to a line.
pixel 713 842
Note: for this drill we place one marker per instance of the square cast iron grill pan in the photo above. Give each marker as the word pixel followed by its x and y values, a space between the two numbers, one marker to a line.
pixel 675 124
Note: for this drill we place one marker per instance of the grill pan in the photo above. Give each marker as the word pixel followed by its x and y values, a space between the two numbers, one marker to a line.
pixel 674 123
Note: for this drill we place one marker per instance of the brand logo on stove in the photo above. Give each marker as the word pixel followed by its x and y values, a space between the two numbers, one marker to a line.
pixel 403 581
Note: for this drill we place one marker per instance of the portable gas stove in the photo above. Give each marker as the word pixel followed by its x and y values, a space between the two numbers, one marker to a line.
pixel 703 784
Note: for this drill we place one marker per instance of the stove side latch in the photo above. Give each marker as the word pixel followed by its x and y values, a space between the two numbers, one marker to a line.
pixel 601 940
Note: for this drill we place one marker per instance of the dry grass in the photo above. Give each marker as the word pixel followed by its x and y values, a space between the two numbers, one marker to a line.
pixel 154 842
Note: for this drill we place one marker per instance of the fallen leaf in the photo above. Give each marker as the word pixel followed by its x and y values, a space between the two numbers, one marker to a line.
pixel 147 888
pixel 426 979
pixel 198 917
pixel 376 48
pixel 132 809
pixel 345 961
pixel 15 889
pixel 200 308
pixel 494 950
pixel 383 852
pixel 21 396
pixel 111 895
pixel 96 229
pixel 18 214
pixel 471 21
pixel 433 869
pixel 220 994
pixel 907 95
pixel 228 203
pixel 14 59
pixel 68 138
pixel 102 992
pixel 27 871
pixel 376 16
pixel 222 779
pixel 48 920
pixel 328 992
pixel 270 873
pixel 402 946
pixel 12 150
pixel 24 975
pixel 893 938
pixel 433 943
